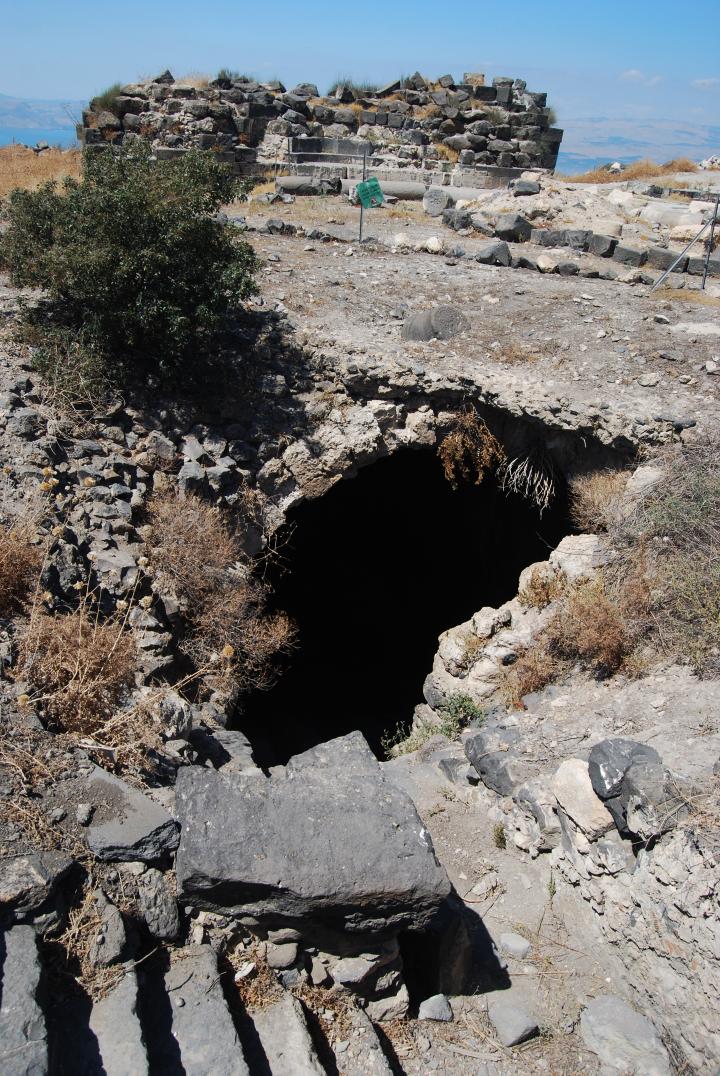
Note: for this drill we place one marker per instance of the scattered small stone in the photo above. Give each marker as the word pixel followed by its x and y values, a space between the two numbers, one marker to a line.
pixel 625 1041
pixel 512 1023
pixel 436 1008
pixel 83 814
pixel 515 946
pixel 281 956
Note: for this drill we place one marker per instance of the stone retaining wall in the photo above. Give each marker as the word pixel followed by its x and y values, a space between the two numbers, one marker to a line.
pixel 437 126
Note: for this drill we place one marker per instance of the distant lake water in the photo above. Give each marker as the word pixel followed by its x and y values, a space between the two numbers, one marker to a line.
pixel 28 136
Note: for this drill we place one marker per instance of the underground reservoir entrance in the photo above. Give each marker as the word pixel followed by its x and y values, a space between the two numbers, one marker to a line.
pixel 373 572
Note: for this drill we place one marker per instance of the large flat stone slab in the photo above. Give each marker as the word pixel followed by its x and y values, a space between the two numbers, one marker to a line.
pixel 285 1039
pixel 126 825
pixel 328 841
pixel 23 1038
pixel 202 1026
pixel 115 1025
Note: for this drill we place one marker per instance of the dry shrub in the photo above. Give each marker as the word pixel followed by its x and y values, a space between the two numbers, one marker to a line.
pixel 595 627
pixel 594 497
pixel 542 588
pixel 590 628
pixel 469 451
pixel 77 944
pixel 192 546
pixel 689 295
pixel 644 169
pixel 80 667
pixel 679 553
pixel 22 167
pixel 448 153
pixel 196 554
pixel 197 80
pixel 19 565
pixel 532 671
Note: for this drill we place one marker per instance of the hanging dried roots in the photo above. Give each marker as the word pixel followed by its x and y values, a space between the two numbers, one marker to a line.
pixel 469 451
pixel 532 476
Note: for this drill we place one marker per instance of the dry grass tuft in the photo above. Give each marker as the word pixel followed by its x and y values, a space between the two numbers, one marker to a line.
pixel 21 167
pixel 542 588
pixel 644 169
pixel 79 666
pixel 532 671
pixel 197 80
pixel 469 451
pixel 77 943
pixel 260 987
pixel 448 153
pixel 594 498
pixel 196 555
pixel 19 565
pixel 689 295
pixel 591 628
pixel 595 627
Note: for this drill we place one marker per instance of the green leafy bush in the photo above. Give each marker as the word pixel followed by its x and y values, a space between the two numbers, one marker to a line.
pixel 140 274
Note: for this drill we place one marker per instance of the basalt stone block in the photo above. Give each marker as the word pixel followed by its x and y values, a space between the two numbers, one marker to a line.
pixel 29 885
pixel 23 1037
pixel 367 863
pixel 513 227
pixel 696 266
pixel 577 238
pixel 457 219
pixel 603 246
pixel 635 256
pixel 547 237
pixel 126 824
pixel 495 253
pixel 610 760
pixel 660 258
pixel 435 201
pixel 524 187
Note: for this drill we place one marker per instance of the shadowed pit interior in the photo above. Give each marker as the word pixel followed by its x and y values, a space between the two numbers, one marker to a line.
pixel 372 572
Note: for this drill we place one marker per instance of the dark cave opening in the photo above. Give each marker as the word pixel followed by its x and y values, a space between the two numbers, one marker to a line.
pixel 372 573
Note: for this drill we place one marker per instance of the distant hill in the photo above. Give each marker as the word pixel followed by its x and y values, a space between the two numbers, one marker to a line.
pixel 30 115
pixel 589 140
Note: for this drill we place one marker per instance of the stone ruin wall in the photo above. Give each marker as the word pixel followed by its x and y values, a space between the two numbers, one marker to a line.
pixel 465 134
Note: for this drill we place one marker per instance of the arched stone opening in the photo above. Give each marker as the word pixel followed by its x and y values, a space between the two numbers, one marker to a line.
pixel 372 572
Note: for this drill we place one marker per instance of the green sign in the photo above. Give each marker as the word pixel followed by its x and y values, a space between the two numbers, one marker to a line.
pixel 370 193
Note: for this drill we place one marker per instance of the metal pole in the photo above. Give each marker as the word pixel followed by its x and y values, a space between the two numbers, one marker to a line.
pixel 710 244
pixel 362 208
pixel 680 256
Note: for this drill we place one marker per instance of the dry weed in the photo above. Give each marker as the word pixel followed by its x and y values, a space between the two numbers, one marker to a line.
pixel 590 628
pixel 531 475
pixel 532 671
pixel 594 498
pixel 79 666
pixel 197 80
pixel 448 153
pixel 22 167
pixel 542 588
pixel 19 565
pixel 469 451
pixel 644 169
pixel 690 295
pixel 260 987
pixel 196 554
pixel 77 944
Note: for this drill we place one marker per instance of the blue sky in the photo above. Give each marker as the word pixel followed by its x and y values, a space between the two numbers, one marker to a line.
pixel 644 62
